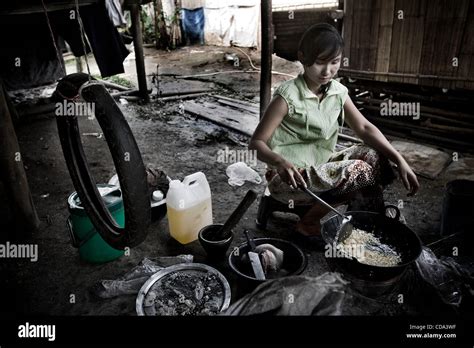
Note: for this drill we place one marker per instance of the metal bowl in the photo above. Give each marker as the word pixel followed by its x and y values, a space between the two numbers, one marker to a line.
pixel 144 306
pixel 294 261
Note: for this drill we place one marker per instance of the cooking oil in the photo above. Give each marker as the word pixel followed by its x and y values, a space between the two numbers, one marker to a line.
pixel 189 207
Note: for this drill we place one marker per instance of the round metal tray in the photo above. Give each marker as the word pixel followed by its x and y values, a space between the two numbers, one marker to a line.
pixel 182 268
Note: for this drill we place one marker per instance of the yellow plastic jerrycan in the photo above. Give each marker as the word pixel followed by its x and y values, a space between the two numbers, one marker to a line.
pixel 189 207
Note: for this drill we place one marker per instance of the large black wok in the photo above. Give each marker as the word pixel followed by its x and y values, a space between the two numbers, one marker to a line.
pixel 389 230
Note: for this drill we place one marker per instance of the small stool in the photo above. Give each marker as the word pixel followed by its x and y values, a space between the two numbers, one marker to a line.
pixel 268 205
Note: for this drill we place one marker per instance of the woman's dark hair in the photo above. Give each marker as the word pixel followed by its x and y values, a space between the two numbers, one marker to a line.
pixel 321 41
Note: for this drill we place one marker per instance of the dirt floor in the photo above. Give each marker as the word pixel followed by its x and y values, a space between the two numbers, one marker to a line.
pixel 178 144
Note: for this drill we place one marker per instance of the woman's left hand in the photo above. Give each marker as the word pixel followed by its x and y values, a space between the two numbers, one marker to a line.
pixel 408 177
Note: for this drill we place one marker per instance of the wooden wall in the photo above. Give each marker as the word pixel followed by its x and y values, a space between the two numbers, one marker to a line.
pixel 418 49
pixel 288 30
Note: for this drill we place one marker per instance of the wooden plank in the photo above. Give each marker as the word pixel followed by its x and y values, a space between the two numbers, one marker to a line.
pixel 466 50
pixel 407 40
pixel 459 22
pixel 384 38
pixel 422 44
pixel 355 60
pixel 243 122
pixel 465 130
pixel 114 85
pixel 173 92
pixel 364 23
pixel 168 87
pixel 374 13
pixel 426 138
pixel 360 35
pixel 408 123
pixel 440 59
pixel 452 105
pixel 470 85
pixel 414 41
pixel 428 112
pixel 182 96
pixel 396 44
pixel 368 74
pixel 420 132
pixel 438 118
pixel 428 42
pixel 239 101
pixel 456 144
pixel 239 121
pixel 238 106
pixel 347 31
pixel 405 33
pixel 127 92
pixel 452 20
pixel 448 114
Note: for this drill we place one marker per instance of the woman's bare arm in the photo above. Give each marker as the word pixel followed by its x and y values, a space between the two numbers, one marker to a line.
pixel 372 136
pixel 274 114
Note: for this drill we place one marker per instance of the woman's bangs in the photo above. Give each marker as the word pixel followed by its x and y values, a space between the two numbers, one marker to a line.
pixel 333 49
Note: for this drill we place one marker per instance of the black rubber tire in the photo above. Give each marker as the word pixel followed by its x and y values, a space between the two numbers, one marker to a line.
pixel 126 156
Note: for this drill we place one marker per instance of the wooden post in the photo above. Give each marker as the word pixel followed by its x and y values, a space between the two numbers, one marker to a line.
pixel 267 51
pixel 138 45
pixel 12 174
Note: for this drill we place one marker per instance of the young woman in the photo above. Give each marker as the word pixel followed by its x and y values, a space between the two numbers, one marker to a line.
pixel 298 133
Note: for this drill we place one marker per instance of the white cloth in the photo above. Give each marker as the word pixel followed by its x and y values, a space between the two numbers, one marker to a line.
pixel 114 9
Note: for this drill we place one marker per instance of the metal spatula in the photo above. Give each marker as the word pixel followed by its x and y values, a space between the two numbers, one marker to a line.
pixel 346 227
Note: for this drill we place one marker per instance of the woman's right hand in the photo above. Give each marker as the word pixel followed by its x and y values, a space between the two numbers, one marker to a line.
pixel 290 174
pixel 408 177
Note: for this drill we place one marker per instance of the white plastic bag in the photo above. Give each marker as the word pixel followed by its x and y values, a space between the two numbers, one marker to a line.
pixel 131 282
pixel 240 172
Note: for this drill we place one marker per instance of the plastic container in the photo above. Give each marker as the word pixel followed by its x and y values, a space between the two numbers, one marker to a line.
pixel 189 207
pixel 92 247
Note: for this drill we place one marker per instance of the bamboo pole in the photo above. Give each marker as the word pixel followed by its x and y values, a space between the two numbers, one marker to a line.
pixel 114 85
pixel 417 76
pixel 423 108
pixel 451 129
pixel 453 118
pixel 266 59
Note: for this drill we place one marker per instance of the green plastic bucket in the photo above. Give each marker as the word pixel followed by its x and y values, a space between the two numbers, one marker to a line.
pixel 92 247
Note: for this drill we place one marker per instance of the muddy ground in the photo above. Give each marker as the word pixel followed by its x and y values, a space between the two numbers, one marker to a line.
pixel 179 144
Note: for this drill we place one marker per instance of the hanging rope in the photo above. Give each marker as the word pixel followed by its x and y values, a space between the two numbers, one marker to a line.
pixel 83 39
pixel 58 54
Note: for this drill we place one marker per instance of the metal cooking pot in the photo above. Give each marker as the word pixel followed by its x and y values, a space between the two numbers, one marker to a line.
pixel 389 230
